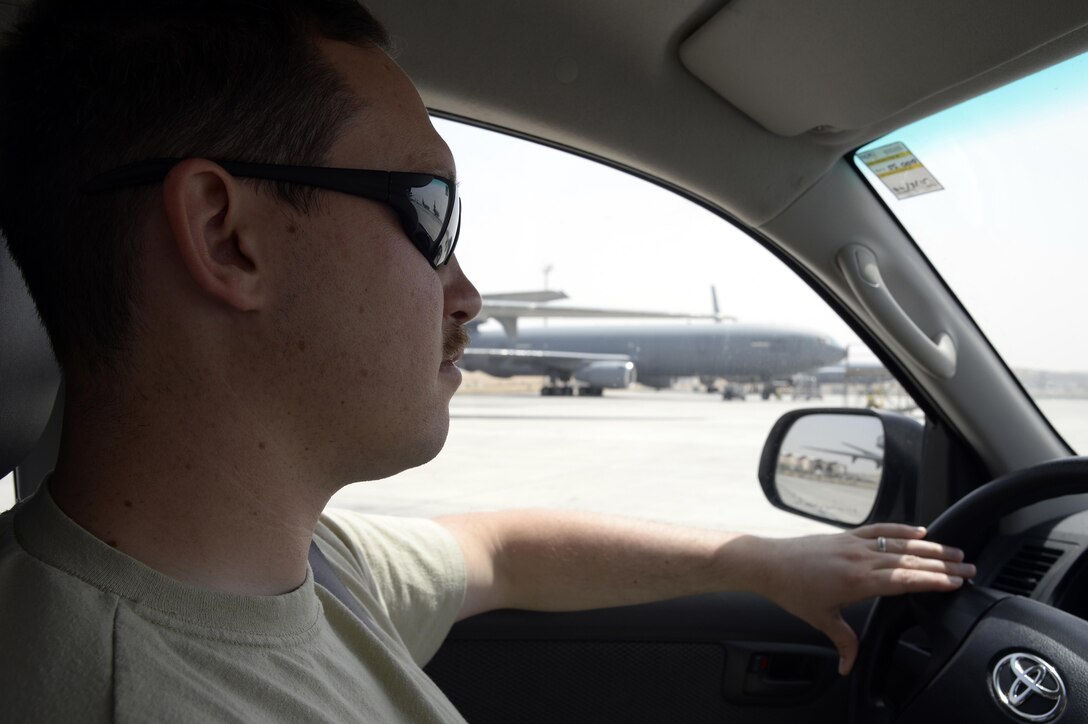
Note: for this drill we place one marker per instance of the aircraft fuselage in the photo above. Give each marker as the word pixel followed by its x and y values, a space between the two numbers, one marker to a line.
pixel 740 352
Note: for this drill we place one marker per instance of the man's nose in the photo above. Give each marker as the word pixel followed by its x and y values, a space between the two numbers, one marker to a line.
pixel 462 300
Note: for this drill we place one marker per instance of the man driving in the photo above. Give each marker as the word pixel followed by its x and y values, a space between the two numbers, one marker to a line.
pixel 238 225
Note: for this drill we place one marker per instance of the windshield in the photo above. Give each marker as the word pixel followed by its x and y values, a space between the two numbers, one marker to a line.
pixel 995 192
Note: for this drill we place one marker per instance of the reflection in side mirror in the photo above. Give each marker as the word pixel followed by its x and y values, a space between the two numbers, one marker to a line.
pixel 830 465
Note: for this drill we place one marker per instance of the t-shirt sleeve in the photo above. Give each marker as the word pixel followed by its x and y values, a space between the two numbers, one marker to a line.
pixel 413 566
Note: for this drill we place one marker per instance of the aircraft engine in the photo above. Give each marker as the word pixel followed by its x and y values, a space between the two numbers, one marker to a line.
pixel 612 375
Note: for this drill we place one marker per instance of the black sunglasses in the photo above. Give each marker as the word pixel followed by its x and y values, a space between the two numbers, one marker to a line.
pixel 427 205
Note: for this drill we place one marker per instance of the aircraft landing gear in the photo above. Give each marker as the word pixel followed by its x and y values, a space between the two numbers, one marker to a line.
pixel 733 392
pixel 571 391
pixel 558 386
pixel 769 390
pixel 557 391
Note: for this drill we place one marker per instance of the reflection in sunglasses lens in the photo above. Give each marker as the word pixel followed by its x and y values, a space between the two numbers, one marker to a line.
pixel 432 204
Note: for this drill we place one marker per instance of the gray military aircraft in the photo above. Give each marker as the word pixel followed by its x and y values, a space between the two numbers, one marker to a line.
pixel 611 357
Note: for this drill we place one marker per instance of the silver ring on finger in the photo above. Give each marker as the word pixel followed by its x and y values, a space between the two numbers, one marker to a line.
pixel 882 544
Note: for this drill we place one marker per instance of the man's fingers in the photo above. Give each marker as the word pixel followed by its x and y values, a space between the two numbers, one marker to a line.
pixel 925 548
pixel 895 581
pixel 952 568
pixel 906 540
pixel 890 530
pixel 845 640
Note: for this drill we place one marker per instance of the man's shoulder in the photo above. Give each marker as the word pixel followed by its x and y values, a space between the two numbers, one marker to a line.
pixel 374 542
pixel 33 592
pixel 408 572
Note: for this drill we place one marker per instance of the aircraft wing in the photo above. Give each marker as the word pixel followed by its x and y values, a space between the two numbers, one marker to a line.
pixel 543 295
pixel 855 453
pixel 531 361
pixel 500 308
pixel 598 371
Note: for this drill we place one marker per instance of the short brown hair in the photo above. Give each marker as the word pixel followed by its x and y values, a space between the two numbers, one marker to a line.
pixel 89 85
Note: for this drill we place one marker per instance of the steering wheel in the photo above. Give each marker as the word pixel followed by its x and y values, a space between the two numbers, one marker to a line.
pixel 992 656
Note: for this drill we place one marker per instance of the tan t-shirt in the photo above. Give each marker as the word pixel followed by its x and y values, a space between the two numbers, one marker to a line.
pixel 90 634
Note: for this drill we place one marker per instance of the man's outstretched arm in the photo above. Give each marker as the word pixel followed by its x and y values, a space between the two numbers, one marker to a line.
pixel 547 560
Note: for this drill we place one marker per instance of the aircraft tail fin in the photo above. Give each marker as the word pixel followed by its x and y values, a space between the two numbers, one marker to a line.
pixel 718 316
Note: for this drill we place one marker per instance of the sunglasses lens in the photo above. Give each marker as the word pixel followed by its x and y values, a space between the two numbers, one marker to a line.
pixel 445 246
pixel 432 203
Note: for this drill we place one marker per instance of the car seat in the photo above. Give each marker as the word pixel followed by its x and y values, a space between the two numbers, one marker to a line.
pixel 31 395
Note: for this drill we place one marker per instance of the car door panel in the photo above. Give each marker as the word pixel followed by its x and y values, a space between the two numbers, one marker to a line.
pixel 728 657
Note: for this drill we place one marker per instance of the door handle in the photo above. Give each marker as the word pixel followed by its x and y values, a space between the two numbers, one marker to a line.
pixel 777 673
pixel 936 355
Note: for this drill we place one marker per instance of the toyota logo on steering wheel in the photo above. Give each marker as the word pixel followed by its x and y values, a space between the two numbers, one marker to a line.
pixel 1029 687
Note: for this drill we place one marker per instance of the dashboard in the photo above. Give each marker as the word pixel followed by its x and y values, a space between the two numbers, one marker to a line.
pixel 1039 553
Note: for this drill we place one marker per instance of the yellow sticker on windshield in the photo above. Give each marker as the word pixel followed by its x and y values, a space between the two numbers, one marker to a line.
pixel 900 170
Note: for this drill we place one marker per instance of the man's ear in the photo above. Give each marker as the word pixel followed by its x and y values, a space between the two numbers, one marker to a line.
pixel 206 209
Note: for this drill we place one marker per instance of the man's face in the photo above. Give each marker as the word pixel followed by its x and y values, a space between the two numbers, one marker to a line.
pixel 365 316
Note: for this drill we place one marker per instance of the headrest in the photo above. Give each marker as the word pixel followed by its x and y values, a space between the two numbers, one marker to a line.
pixel 29 376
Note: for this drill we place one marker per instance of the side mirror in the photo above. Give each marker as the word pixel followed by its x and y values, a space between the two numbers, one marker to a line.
pixel 844 466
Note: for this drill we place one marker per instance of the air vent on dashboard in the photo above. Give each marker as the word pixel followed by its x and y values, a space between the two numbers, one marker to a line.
pixel 1022 573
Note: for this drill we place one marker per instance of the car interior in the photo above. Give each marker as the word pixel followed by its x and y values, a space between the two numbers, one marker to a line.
pixel 753 110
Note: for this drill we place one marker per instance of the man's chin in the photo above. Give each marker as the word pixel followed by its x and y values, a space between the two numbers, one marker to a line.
pixel 429 448
pixel 411 448
pixel 389 471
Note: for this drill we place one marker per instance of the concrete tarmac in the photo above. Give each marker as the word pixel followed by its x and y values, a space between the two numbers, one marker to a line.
pixel 828 498
pixel 675 456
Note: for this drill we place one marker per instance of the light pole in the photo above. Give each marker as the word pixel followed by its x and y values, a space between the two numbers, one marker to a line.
pixel 547 271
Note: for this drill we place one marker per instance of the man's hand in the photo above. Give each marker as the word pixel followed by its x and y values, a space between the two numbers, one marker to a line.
pixel 815 576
